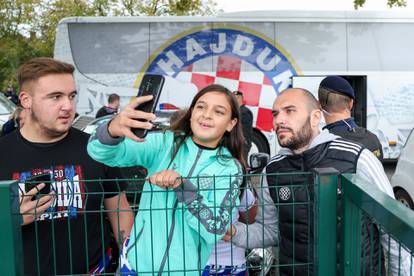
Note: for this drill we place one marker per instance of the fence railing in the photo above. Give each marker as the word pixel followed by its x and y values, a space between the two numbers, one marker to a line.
pixel 363 212
pixel 11 252
pixel 394 222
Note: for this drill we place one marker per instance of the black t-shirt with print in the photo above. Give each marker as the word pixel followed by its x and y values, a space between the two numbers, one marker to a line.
pixel 75 224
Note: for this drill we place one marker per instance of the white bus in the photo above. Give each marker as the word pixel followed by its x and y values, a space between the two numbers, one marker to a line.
pixel 259 53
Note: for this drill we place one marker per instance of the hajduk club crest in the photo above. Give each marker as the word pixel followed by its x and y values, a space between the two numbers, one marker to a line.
pixel 234 56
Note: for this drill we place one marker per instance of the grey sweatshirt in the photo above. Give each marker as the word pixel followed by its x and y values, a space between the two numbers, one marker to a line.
pixel 264 232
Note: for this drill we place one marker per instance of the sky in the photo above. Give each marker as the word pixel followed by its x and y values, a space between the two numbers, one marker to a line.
pixel 249 5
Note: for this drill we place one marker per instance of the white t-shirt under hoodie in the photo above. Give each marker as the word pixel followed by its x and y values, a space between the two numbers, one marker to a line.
pixel 225 253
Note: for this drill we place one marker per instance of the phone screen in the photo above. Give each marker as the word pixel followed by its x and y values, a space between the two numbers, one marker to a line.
pixel 34 180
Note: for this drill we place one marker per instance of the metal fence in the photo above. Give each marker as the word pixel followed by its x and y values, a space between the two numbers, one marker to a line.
pixel 353 238
pixel 392 224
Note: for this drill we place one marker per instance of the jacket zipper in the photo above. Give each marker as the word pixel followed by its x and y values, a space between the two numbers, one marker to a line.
pixel 171 232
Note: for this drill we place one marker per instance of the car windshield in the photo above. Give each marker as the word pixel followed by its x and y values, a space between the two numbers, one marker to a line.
pixel 6 106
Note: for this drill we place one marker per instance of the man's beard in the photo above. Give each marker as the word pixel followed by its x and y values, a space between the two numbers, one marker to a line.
pixel 300 139
pixel 52 133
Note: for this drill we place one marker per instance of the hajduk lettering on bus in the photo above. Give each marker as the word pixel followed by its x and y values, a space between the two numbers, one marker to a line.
pixel 227 56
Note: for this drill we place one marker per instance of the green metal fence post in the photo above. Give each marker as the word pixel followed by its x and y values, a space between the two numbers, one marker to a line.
pixel 326 180
pixel 11 252
pixel 350 233
pixel 362 199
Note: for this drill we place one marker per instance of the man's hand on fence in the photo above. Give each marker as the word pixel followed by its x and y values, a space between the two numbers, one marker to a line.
pixel 230 233
pixel 166 179
pixel 129 117
pixel 32 209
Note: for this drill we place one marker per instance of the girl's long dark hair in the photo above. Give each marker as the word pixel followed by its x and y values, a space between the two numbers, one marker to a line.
pixel 232 140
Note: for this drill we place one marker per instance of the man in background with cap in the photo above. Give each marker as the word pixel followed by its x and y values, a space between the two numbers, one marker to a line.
pixel 336 97
pixel 247 122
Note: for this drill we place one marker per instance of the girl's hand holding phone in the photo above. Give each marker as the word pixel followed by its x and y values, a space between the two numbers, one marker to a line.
pixel 129 117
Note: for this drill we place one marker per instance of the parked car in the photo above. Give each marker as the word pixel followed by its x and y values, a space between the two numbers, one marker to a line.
pixel 7 107
pixel 88 124
pixel 403 179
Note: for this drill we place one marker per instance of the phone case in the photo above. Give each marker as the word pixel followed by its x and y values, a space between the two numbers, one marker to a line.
pixel 35 180
pixel 150 85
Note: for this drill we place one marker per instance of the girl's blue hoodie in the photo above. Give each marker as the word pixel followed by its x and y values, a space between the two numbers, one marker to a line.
pixel 175 229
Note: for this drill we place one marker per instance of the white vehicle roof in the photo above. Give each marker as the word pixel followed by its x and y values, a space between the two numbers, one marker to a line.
pixel 373 48
pixel 269 16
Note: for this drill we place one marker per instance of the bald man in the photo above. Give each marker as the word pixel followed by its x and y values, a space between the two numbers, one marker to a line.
pixel 296 117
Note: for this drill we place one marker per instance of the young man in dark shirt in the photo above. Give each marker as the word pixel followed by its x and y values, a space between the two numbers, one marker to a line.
pixel 66 231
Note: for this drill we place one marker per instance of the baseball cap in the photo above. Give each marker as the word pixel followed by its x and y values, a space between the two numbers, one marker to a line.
pixel 337 84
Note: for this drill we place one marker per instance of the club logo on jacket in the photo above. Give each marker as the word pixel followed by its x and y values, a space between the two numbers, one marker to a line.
pixel 284 193
pixel 205 182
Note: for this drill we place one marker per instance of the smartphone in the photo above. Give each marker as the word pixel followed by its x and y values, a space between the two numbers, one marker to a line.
pixel 150 85
pixel 34 180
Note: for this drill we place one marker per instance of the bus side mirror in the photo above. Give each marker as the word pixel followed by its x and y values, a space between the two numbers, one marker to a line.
pixel 258 161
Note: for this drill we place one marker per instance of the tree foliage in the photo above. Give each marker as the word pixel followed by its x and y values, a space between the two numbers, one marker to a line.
pixel 165 7
pixel 390 3
pixel 28 27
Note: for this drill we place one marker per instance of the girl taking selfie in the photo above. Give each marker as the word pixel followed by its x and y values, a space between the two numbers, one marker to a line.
pixel 194 177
